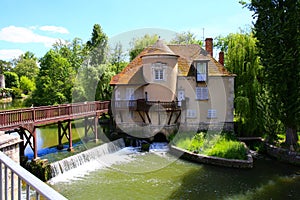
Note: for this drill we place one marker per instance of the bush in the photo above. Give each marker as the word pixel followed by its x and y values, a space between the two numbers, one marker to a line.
pixel 16 93
pixel 212 144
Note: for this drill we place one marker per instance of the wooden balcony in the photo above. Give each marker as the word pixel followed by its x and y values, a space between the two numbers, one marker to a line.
pixel 145 106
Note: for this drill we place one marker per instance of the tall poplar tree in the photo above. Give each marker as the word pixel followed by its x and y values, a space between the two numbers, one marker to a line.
pixel 277 29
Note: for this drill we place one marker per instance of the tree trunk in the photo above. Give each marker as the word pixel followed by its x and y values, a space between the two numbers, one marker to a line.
pixel 291 137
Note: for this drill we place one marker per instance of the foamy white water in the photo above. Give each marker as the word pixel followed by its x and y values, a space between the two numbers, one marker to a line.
pixel 122 156
pixel 104 156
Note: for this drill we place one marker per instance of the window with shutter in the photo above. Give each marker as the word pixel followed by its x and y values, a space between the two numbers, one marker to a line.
pixel 211 113
pixel 201 93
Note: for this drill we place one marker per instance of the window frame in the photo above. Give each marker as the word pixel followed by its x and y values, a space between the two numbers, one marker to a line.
pixel 202 93
pixel 211 113
pixel 201 71
pixel 158 71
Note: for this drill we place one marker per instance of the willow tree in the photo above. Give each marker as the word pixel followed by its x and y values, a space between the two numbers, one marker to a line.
pixel 277 29
pixel 241 59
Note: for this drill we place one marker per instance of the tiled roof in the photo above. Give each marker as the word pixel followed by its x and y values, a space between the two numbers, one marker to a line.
pixel 159 48
pixel 132 73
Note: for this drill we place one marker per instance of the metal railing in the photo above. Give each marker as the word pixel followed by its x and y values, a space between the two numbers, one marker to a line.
pixel 143 105
pixel 9 189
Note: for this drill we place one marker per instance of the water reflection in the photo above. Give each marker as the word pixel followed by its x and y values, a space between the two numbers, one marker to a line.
pixel 14 104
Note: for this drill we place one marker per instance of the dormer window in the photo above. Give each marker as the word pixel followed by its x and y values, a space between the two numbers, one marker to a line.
pixel 201 68
pixel 158 70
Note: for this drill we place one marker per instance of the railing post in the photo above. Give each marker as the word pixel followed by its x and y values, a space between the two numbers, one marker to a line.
pixel 33 114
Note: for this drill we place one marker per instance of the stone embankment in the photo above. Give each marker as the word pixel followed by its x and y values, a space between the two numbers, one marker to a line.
pixel 198 158
pixel 283 155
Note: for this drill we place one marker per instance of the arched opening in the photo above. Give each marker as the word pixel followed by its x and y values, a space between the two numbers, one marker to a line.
pixel 160 137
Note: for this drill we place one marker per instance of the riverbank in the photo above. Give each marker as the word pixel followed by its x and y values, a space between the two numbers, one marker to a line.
pixel 212 160
pixel 283 155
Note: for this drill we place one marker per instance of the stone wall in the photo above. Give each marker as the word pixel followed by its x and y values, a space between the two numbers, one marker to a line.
pixel 187 155
pixel 220 126
pixel 283 154
pixel 9 145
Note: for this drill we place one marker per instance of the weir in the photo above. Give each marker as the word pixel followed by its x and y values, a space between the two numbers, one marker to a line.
pixel 77 160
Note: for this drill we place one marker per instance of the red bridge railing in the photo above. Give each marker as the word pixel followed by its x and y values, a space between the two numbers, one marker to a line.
pixel 10 118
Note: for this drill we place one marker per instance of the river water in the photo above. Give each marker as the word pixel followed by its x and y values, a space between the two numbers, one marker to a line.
pixel 155 176
pixel 128 174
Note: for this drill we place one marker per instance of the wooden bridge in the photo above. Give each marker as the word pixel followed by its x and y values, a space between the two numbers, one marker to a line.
pixel 28 119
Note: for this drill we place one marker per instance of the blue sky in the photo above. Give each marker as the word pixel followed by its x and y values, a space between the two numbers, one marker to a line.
pixel 34 25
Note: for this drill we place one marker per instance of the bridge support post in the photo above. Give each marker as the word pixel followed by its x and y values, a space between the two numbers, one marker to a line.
pixel 67 132
pixel 91 124
pixel 96 128
pixel 29 139
pixel 70 136
pixel 34 144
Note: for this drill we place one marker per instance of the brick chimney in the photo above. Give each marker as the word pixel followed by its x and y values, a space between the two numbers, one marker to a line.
pixel 209 46
pixel 221 57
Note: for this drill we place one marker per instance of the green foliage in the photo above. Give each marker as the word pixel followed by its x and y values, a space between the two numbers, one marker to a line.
pixel 26 84
pixel 97 46
pixel 213 144
pixel 185 38
pixel 241 59
pixel 26 65
pixel 228 149
pixel 117 57
pixel 5 66
pixel 16 93
pixel 55 80
pixel 277 29
pixel 92 83
pixel 40 168
pixel 139 44
pixel 11 80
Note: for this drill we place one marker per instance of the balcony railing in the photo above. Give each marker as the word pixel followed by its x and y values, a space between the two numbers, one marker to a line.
pixel 143 105
pixel 13 175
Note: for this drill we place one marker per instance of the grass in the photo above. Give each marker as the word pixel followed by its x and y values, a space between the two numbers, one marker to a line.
pixel 281 141
pixel 222 145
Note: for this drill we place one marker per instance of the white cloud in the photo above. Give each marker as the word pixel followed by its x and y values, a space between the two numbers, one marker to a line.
pixel 24 35
pixel 9 54
pixel 54 29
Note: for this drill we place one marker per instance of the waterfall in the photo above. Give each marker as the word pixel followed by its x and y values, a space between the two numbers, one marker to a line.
pixel 90 155
pixel 159 147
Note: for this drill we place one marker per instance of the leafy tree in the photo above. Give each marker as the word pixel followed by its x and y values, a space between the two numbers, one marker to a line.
pixel 93 77
pixel 104 91
pixel 26 84
pixel 242 60
pixel 117 57
pixel 11 80
pixel 139 44
pixel 55 80
pixel 74 52
pixel 185 38
pixel 277 29
pixel 5 66
pixel 97 46
pixel 26 65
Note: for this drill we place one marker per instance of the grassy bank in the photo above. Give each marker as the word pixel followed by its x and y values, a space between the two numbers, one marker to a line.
pixel 223 145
